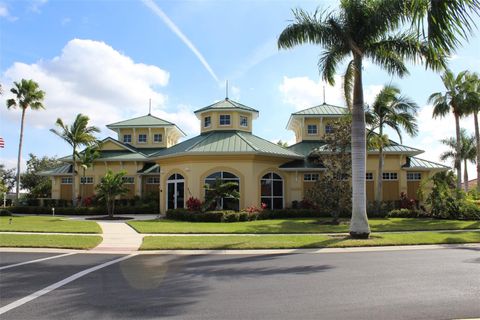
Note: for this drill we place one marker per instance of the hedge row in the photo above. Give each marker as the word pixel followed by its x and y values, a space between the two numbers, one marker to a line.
pixel 83 210
pixel 232 216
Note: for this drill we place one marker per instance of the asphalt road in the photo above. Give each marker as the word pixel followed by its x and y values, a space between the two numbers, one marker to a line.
pixel 423 284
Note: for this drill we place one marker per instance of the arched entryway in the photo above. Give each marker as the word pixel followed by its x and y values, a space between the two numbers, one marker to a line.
pixel 175 191
pixel 272 190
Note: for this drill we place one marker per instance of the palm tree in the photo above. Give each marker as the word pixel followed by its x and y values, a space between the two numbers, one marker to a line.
pixel 396 112
pixel 453 100
pixel 111 186
pixel 27 95
pixel 86 159
pixel 77 134
pixel 360 30
pixel 472 90
pixel 468 152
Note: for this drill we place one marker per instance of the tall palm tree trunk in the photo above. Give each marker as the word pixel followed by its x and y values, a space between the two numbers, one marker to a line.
pixel 74 189
pixel 379 192
pixel 458 165
pixel 19 159
pixel 477 139
pixel 359 227
pixel 465 175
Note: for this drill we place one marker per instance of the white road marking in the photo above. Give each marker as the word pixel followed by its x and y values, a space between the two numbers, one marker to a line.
pixel 59 284
pixel 34 261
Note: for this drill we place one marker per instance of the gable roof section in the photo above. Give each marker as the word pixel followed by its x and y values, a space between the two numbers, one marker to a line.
pixel 227 142
pixel 417 163
pixel 144 122
pixel 226 104
pixel 323 110
pixel 62 170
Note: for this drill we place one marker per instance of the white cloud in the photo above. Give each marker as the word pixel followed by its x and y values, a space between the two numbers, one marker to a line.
pixel 36 5
pixel 183 117
pixel 89 77
pixel 303 92
pixel 65 21
pixel 5 13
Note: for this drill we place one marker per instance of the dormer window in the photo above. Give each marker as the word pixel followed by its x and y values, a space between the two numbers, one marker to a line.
pixel 328 129
pixel 224 119
pixel 312 129
pixel 243 121
pixel 207 122
pixel 157 138
pixel 142 138
pixel 127 138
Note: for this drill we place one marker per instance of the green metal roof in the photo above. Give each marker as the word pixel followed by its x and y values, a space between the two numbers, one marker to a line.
pixel 417 163
pixel 58 171
pixel 304 165
pixel 147 121
pixel 323 110
pixel 227 142
pixel 225 105
pixel 307 146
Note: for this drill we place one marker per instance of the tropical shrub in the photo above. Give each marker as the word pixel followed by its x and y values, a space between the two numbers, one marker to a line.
pixel 111 186
pixel 469 211
pixel 194 204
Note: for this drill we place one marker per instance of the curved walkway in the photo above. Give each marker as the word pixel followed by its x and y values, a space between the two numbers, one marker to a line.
pixel 118 236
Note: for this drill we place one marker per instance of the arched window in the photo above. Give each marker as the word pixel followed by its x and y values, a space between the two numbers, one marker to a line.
pixel 272 190
pixel 224 176
pixel 175 191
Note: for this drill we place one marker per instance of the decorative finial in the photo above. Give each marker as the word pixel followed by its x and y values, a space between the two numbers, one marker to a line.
pixel 226 89
pixel 323 94
pixel 150 106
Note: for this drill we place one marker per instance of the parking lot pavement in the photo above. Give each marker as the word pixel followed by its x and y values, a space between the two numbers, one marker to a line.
pixel 7 259
pixel 20 281
pixel 427 284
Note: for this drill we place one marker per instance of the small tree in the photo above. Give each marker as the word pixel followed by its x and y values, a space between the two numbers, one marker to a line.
pixel 110 187
pixel 333 191
pixel 86 159
pixel 38 186
pixel 7 178
pixel 217 191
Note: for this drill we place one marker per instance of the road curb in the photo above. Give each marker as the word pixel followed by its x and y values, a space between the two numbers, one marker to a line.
pixel 472 246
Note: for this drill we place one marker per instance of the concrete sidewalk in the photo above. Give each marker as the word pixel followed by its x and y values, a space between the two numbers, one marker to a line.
pixel 118 236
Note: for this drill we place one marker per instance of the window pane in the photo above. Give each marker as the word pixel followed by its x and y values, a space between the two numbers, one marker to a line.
pixel 277 203
pixel 266 187
pixel 276 176
pixel 231 204
pixel 277 188
pixel 215 175
pixel 227 175
pixel 267 202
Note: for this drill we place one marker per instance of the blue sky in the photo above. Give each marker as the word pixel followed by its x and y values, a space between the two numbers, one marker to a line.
pixel 107 58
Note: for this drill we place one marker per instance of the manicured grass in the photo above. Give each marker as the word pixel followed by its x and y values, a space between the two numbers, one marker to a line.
pixel 297 226
pixel 304 241
pixel 47 224
pixel 49 241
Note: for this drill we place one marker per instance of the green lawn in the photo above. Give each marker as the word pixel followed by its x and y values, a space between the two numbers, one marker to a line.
pixel 47 224
pixel 49 241
pixel 304 241
pixel 297 226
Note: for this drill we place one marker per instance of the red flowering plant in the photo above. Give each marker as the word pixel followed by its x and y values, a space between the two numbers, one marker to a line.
pixel 194 204
pixel 406 202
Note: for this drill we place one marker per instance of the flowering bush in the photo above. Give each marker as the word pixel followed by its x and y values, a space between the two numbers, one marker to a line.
pixel 406 202
pixel 194 204
pixel 255 209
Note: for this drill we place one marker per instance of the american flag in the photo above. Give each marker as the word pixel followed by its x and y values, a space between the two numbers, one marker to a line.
pixel 2 143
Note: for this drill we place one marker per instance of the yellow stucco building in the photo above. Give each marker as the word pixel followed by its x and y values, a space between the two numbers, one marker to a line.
pixel 147 148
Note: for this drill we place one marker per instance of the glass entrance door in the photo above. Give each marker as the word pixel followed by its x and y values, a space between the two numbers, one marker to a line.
pixel 175 191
